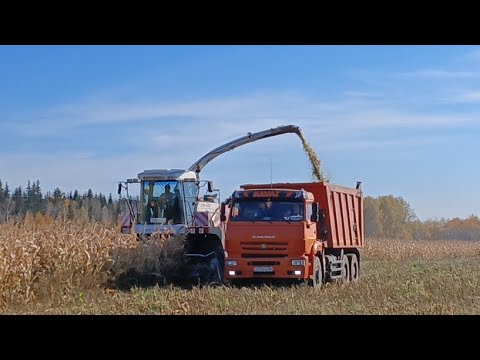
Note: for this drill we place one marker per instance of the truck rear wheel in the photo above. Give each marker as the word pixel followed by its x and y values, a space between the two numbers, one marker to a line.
pixel 354 269
pixel 317 279
pixel 345 270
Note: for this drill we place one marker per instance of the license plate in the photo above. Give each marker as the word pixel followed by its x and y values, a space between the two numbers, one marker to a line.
pixel 263 269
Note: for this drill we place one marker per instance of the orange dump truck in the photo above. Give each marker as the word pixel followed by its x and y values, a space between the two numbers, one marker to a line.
pixel 305 231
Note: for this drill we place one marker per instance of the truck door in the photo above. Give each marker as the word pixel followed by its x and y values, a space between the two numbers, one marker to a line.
pixel 310 228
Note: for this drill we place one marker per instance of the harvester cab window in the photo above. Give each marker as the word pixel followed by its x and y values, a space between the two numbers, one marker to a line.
pixel 162 202
pixel 190 190
pixel 151 212
pixel 166 202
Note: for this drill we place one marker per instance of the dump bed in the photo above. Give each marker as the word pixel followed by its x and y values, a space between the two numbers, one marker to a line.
pixel 343 207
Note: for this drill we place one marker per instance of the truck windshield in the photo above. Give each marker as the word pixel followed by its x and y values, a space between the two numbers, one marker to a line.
pixel 276 209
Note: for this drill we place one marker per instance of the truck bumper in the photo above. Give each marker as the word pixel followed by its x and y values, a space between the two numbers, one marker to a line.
pixel 266 268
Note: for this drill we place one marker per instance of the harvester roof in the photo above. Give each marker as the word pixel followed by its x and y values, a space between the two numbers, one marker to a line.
pixel 167 174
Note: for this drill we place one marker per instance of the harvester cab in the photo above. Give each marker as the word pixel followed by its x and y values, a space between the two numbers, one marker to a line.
pixel 171 202
pixel 168 202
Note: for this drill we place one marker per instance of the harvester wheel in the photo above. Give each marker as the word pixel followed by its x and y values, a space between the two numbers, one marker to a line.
pixel 354 269
pixel 317 279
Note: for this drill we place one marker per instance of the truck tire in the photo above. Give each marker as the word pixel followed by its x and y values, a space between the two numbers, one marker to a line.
pixel 317 280
pixel 345 270
pixel 354 268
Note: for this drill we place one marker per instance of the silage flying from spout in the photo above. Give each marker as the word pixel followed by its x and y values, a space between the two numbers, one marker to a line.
pixel 314 161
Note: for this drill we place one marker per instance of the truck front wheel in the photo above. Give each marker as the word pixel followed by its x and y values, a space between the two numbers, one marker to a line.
pixel 317 278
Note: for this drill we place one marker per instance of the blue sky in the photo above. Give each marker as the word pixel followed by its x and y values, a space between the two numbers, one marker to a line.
pixel 404 120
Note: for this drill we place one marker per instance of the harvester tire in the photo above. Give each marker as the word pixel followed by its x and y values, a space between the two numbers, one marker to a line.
pixel 218 276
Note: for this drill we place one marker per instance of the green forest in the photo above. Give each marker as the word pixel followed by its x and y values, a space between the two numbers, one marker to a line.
pixel 386 217
pixel 19 203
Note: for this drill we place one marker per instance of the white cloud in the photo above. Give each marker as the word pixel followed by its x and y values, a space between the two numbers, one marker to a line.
pixel 361 94
pixel 471 56
pixel 226 114
pixel 214 121
pixel 471 97
pixel 442 74
pixel 403 143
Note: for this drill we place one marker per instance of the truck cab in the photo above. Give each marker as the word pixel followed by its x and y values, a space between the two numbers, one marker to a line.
pixel 271 233
pixel 305 231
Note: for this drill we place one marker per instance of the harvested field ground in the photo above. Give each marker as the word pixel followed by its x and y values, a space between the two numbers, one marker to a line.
pixel 76 269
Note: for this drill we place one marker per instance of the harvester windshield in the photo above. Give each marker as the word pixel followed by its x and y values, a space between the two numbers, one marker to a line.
pixel 167 202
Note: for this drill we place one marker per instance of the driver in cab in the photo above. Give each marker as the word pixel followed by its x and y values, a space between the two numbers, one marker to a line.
pixel 166 202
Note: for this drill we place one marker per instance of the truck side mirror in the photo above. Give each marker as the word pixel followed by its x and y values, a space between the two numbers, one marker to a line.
pixel 210 186
pixel 322 216
pixel 314 216
pixel 119 189
pixel 222 212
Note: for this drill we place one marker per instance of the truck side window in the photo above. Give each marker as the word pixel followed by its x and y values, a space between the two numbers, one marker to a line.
pixel 309 212
pixel 236 210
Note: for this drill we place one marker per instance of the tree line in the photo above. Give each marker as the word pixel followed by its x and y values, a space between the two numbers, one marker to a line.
pixel 16 204
pixel 392 218
pixel 386 217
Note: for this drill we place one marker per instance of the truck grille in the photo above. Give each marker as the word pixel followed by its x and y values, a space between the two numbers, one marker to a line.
pixel 263 263
pixel 257 256
pixel 264 250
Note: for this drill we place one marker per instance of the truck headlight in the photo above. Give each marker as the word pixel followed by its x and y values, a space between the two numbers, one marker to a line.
pixel 231 262
pixel 298 262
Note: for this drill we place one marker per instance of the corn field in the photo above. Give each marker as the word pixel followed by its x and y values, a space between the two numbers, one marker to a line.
pixel 51 259
pixel 69 267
